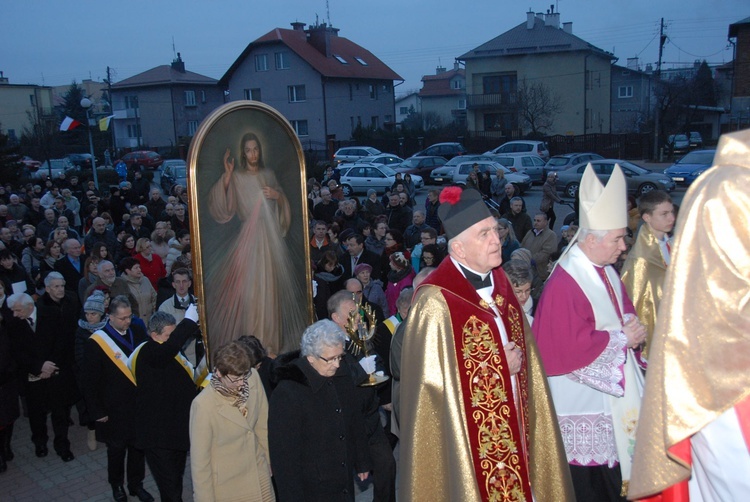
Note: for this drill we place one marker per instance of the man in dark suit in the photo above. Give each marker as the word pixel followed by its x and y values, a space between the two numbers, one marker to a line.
pixel 134 227
pixel 163 397
pixel 355 245
pixel 70 266
pixel 43 343
pixel 110 393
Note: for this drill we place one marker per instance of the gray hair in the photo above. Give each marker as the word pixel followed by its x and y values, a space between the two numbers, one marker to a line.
pixel 53 276
pixel 404 298
pixel 421 276
pixel 418 211
pixel 119 302
pixel 20 299
pixel 160 320
pixel 325 333
pixel 518 272
pixel 101 265
pixel 516 198
pixel 597 234
pixel 336 299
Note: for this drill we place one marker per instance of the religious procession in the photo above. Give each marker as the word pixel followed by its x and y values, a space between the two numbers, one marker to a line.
pixel 262 336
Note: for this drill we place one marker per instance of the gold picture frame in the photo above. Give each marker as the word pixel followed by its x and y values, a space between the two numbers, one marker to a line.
pixel 249 227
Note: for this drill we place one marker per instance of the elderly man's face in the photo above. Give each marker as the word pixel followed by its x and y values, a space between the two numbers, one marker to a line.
pixel 403 198
pixel 325 194
pixel 393 200
pixel 49 215
pixel 56 289
pixel 479 246
pixel 5 234
pixel 417 218
pixel 62 222
pixel 22 311
pixel 608 249
pixel 155 195
pixel 99 225
pixel 516 206
pixel 73 248
pixel 349 208
pixel 107 273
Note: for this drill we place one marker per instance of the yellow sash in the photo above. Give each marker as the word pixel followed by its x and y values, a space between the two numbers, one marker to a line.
pixel 179 358
pixel 114 353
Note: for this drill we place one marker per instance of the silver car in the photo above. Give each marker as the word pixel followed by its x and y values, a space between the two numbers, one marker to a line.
pixel 640 180
pixel 353 153
pixel 361 177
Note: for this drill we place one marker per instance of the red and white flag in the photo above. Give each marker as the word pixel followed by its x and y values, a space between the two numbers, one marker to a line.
pixel 68 124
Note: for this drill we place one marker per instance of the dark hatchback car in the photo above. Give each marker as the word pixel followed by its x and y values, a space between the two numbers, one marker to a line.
pixel 687 169
pixel 447 150
pixel 173 172
pixel 82 160
pixel 420 165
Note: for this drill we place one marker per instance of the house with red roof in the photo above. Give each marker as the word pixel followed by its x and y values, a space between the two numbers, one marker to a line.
pixel 324 84
pixel 443 97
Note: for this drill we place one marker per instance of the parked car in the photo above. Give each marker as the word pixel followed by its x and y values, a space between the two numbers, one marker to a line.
pixel 530 165
pixel 361 177
pixel 444 174
pixel 82 160
pixel 696 140
pixel 521 147
pixel 678 143
pixel 447 150
pixel 688 168
pixel 353 153
pixel 420 164
pixel 145 159
pixel 562 162
pixel 386 159
pixel 640 180
pixel 57 166
pixel 173 172
pixel 522 181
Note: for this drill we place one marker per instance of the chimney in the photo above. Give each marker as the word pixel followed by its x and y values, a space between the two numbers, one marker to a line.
pixel 3 78
pixel 540 15
pixel 568 27
pixel 297 26
pixel 633 64
pixel 320 38
pixel 649 68
pixel 439 70
pixel 178 64
pixel 455 66
pixel 552 19
pixel 529 20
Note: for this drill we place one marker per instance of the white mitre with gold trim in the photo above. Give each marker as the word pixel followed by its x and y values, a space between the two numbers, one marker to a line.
pixel 603 207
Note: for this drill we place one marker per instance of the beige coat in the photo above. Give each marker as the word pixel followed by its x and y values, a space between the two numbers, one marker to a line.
pixel 229 458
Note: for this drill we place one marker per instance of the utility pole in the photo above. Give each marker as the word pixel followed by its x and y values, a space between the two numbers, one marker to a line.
pixel 112 136
pixel 657 114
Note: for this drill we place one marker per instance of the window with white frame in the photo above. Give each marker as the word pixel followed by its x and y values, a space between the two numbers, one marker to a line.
pixel 300 127
pixel 192 127
pixel 403 110
pixel 282 60
pixel 189 98
pixel 456 84
pixel 296 93
pixel 625 91
pixel 246 93
pixel 203 96
pixel 261 62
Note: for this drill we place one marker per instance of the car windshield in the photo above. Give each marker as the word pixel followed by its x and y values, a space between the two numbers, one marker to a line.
pixel 465 158
pixel 558 161
pixel 506 161
pixel 680 137
pixel 179 172
pixel 706 158
pixel 410 163
pixel 388 171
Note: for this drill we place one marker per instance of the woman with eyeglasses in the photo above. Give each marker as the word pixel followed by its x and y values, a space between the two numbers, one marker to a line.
pixel 316 430
pixel 229 457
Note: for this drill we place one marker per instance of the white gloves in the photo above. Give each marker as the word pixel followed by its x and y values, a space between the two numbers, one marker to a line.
pixel 368 364
pixel 192 313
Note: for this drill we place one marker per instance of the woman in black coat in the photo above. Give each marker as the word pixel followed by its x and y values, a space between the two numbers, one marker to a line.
pixel 316 431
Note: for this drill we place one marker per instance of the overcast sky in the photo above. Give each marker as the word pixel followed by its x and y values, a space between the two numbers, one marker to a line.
pixel 52 42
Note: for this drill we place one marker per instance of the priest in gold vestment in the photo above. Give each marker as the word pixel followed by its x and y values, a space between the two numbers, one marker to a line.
pixel 694 431
pixel 477 422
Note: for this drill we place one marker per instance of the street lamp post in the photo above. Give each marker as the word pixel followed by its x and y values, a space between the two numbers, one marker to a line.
pixel 86 104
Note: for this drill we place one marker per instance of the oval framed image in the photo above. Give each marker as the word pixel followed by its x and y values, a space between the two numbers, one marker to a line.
pixel 248 225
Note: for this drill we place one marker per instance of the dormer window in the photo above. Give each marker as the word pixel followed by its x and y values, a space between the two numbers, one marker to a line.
pixel 340 59
pixel 360 60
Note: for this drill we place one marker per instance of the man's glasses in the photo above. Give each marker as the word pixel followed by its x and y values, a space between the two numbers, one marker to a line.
pixel 331 360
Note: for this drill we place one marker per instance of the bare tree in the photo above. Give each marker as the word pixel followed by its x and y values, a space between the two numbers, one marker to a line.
pixel 537 106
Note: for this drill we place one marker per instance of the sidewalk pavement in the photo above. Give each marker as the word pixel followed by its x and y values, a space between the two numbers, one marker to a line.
pixel 84 479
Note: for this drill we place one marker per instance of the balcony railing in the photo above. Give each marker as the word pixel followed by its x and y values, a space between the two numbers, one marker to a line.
pixel 499 101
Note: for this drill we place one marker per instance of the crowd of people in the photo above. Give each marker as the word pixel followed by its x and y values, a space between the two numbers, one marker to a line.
pixel 462 344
